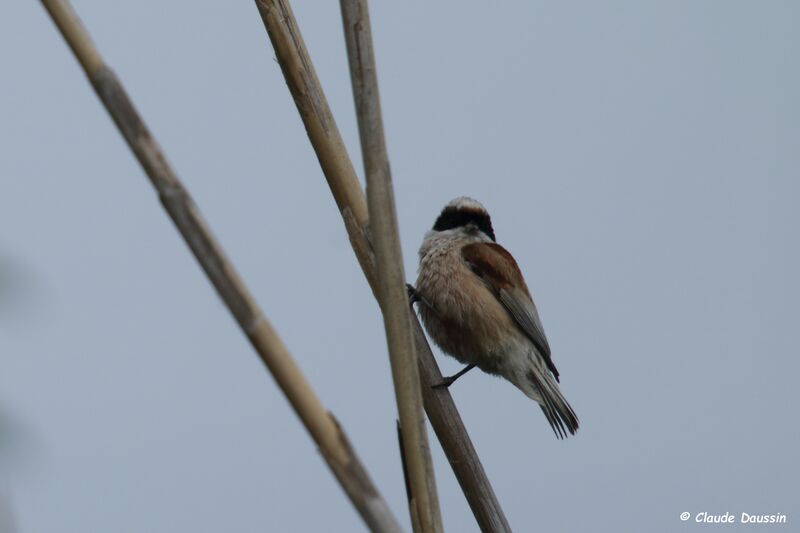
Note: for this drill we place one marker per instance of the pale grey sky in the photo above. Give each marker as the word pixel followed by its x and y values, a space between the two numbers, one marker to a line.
pixel 639 159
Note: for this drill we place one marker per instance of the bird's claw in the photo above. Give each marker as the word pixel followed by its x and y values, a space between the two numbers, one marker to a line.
pixel 414 297
pixel 445 383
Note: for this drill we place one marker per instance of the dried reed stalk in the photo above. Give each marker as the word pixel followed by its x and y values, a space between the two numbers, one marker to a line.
pixel 323 427
pixel 327 142
pixel 389 262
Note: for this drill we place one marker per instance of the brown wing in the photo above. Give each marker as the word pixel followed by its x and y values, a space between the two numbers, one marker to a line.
pixel 499 272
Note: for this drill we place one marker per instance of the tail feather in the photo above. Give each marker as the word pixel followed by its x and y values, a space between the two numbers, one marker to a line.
pixel 555 407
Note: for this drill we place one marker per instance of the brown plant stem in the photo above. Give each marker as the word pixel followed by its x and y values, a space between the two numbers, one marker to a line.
pixel 327 142
pixel 389 262
pixel 323 427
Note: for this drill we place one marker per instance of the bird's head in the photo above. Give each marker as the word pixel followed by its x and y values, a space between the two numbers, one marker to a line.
pixel 464 215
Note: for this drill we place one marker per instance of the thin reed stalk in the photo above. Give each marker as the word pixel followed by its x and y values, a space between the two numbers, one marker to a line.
pixel 328 145
pixel 323 427
pixel 389 263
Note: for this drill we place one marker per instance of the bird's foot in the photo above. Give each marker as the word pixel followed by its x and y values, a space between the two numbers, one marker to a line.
pixel 414 297
pixel 446 382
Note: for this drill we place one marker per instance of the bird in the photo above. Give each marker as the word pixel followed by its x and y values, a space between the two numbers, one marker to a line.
pixel 476 306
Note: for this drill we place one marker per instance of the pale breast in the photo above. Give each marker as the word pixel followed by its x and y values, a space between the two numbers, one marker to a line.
pixel 466 321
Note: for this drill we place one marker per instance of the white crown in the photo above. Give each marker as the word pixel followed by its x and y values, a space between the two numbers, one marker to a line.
pixel 465 202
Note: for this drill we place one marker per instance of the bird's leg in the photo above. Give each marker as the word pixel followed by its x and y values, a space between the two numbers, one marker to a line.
pixel 446 382
pixel 414 297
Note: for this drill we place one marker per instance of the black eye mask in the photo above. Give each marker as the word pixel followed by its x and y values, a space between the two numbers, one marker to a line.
pixel 454 218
